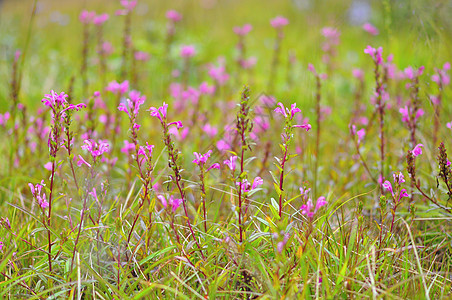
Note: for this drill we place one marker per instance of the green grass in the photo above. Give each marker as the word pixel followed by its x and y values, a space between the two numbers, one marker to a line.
pixel 346 250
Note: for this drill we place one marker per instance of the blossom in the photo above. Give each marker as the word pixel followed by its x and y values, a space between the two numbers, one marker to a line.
pixel 96 149
pixel 417 150
pixel 376 54
pixel 36 191
pixel 100 19
pixel 388 186
pixel 4 118
pixel 290 113
pixel 398 178
pixel 244 30
pixel 87 17
pixel 358 73
pixel 205 88
pixel 133 104
pixel 370 29
pixel 187 51
pixel 1 245
pixel 201 159
pixel 210 130
pixel 309 209
pixel 279 22
pixel 231 162
pixel 128 5
pixel 173 16
pixel 128 147
pixel 116 87
pixel 141 55
pixel 160 112
pixel 173 202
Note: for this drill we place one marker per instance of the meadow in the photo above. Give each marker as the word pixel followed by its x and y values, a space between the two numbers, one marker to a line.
pixel 209 149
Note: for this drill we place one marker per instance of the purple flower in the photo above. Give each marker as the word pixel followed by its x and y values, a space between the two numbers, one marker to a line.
pixel 376 54
pixel 398 178
pixel 128 147
pixel 1 246
pixel 201 159
pixel 242 31
pixel 388 186
pixel 370 29
pixel 173 16
pixel 142 56
pixel 87 17
pixel 96 149
pixel 160 112
pixel 231 162
pixel 116 87
pixel 100 19
pixel 38 195
pixel 417 150
pixel 187 51
pixel 257 182
pixel 309 210
pixel 279 22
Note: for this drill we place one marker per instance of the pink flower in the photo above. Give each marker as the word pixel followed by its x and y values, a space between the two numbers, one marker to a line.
pixel 279 22
pixel 231 162
pixel 1 246
pixel 388 186
pixel 370 29
pixel 128 148
pixel 206 89
pixel 4 118
pixel 360 133
pixel 417 150
pixel 358 74
pixel 173 16
pixel 116 87
pixel 160 113
pixel 38 195
pixel 187 51
pixel 87 17
pixel 201 159
pixel 376 54
pixel 218 74
pixel 210 130
pixel 242 31
pixel 398 178
pixel 309 210
pixel 96 149
pixel 100 19
pixel 257 182
pixel 142 56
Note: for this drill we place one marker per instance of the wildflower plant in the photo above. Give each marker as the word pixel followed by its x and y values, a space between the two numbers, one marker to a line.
pixel 287 139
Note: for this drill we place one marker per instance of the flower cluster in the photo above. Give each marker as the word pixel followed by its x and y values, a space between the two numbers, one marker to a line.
pixel 173 202
pixel 309 209
pixel 39 195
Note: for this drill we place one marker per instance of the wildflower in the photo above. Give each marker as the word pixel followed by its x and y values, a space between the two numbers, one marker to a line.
pixel 201 159
pixel 87 17
pixel 309 209
pixel 231 162
pixel 142 56
pixel 173 16
pixel 417 150
pixel 1 246
pixel 100 19
pixel 358 73
pixel 370 29
pixel 376 54
pixel 187 51
pixel 244 30
pixel 40 197
pixel 96 149
pixel 279 22
pixel 174 203
pixel 160 112
pixel 116 87
pixel 210 130
pixel 290 113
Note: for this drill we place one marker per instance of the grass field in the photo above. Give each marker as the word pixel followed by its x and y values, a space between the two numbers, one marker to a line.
pixel 225 149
